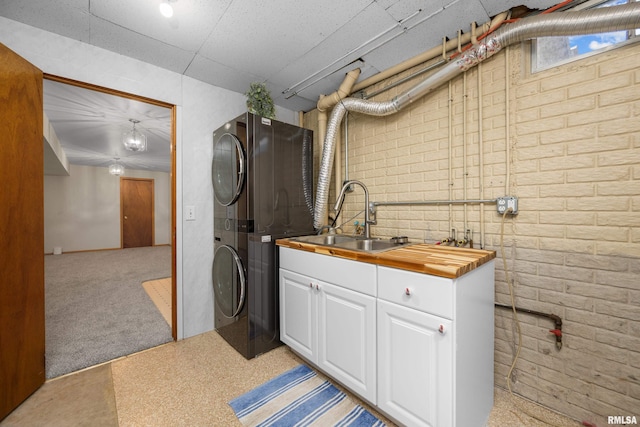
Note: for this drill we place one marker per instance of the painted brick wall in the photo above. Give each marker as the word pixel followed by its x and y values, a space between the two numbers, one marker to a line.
pixel 569 149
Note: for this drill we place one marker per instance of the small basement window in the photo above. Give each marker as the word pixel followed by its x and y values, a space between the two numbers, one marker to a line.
pixel 548 52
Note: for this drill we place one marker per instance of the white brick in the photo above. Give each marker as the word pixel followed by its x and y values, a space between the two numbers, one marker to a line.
pixel 574 249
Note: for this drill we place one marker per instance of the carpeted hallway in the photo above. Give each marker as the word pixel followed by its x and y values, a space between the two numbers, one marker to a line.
pixel 188 383
pixel 96 308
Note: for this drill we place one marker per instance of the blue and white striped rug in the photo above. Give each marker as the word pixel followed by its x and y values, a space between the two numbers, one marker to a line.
pixel 299 397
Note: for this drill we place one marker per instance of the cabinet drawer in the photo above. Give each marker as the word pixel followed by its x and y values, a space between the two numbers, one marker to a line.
pixel 357 276
pixel 422 292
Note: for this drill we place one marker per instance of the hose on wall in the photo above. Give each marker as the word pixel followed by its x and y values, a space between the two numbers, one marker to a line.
pixel 614 18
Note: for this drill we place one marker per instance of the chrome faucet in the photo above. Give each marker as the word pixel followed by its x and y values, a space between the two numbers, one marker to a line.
pixel 367 218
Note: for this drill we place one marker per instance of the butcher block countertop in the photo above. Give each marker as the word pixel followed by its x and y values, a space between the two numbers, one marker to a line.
pixel 437 260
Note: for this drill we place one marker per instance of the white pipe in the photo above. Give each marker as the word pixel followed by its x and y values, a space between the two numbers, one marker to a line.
pixel 338 165
pixel 327 102
pixel 464 146
pixel 346 147
pixel 507 117
pixel 614 18
pixel 429 54
pixel 481 154
pixel 450 143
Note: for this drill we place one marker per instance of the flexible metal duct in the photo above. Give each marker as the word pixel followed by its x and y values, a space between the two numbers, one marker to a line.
pixel 307 170
pixel 592 21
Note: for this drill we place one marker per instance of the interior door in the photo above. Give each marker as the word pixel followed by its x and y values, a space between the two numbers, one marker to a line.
pixel 136 206
pixel 22 368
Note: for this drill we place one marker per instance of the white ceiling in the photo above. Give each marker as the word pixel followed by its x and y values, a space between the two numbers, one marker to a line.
pixel 90 125
pixel 298 48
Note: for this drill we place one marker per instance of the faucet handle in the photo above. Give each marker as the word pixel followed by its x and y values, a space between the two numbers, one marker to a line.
pixel 372 213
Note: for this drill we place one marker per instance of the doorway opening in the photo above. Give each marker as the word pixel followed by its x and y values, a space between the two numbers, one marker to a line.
pixel 90 121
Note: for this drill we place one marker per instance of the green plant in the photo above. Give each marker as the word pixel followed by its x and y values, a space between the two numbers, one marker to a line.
pixel 259 101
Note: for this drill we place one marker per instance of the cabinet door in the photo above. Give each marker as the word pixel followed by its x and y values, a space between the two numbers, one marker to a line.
pixel 298 312
pixel 415 366
pixel 347 338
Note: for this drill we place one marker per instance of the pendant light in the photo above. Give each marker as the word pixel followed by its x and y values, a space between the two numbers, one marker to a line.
pixel 134 140
pixel 116 169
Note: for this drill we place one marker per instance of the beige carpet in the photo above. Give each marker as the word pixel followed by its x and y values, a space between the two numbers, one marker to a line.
pixel 159 291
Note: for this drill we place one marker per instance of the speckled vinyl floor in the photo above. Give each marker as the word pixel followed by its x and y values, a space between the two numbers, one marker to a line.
pixel 188 383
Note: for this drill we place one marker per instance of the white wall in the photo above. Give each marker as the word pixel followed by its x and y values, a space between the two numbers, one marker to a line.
pixel 82 210
pixel 201 109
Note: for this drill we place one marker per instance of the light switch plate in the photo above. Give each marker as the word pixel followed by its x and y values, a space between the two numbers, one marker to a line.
pixel 190 213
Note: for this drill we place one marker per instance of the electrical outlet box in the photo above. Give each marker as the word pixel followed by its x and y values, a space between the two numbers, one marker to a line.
pixel 506 202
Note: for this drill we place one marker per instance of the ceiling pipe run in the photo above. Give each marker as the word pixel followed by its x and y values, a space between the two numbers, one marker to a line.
pixel 431 53
pixel 600 20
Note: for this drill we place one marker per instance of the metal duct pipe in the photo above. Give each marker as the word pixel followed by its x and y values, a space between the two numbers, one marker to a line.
pixel 592 21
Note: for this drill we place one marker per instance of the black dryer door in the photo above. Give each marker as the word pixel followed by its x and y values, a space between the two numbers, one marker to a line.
pixel 229 281
pixel 228 169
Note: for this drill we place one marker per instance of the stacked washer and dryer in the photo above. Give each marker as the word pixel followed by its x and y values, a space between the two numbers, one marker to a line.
pixel 262 186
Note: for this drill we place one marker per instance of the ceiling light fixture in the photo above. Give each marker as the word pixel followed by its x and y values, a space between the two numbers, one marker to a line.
pixel 116 169
pixel 166 9
pixel 134 140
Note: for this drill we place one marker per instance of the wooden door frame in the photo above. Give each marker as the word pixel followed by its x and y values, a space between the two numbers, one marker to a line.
pixel 153 208
pixel 172 155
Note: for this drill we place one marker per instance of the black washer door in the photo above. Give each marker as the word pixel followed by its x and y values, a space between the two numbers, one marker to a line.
pixel 227 169
pixel 229 283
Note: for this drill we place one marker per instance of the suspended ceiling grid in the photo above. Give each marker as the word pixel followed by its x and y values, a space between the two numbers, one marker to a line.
pixel 299 48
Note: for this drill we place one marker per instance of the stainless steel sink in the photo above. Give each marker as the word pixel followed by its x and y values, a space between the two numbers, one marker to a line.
pixel 324 239
pixel 351 242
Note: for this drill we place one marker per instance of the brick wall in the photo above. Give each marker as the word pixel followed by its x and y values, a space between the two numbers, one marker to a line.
pixel 572 157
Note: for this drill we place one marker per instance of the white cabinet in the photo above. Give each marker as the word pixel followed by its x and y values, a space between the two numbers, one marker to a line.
pixel 347 338
pixel 331 325
pixel 435 347
pixel 414 366
pixel 417 346
pixel 298 314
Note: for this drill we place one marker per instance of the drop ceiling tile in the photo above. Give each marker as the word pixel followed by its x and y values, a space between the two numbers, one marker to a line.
pixel 116 39
pixel 69 18
pixel 343 47
pixel 296 103
pixel 286 30
pixel 428 34
pixel 187 29
pixel 220 75
pixel 402 9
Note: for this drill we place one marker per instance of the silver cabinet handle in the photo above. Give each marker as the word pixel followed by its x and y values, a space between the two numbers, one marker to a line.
pixel 441 329
pixel 407 292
